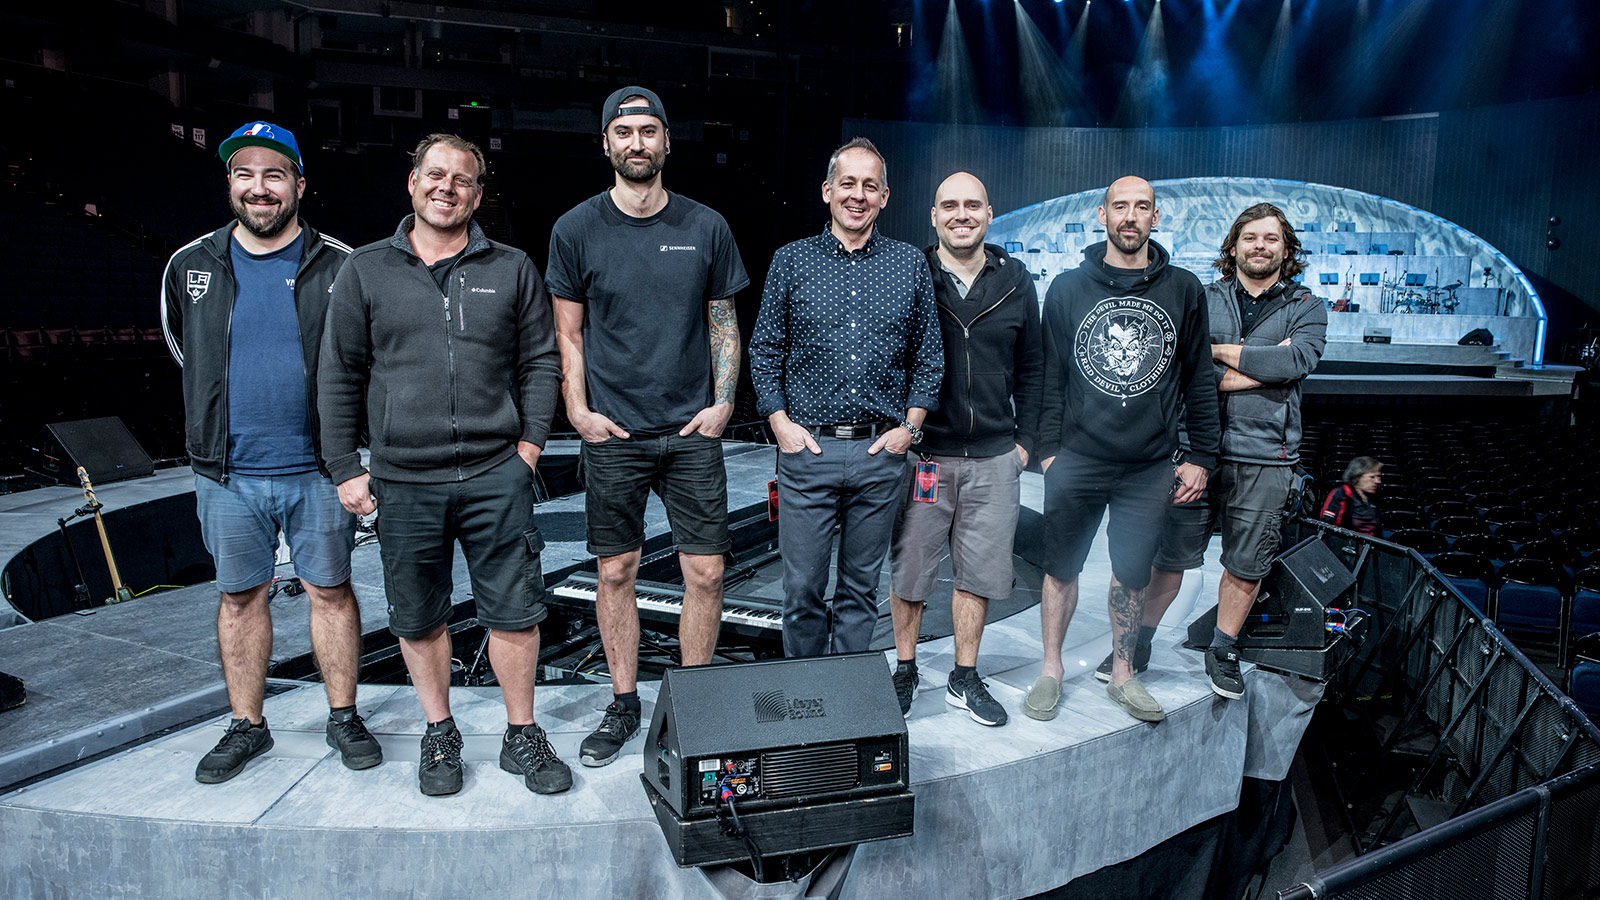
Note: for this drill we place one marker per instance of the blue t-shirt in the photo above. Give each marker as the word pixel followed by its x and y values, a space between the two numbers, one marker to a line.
pixel 269 427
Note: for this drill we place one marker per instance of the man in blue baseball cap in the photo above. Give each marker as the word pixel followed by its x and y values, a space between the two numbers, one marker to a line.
pixel 243 311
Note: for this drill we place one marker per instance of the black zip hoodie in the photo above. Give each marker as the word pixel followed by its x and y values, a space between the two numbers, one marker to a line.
pixel 1125 352
pixel 449 382
pixel 197 295
pixel 993 366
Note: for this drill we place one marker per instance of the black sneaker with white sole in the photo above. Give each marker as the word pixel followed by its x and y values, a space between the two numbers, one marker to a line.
pixel 241 743
pixel 527 752
pixel 972 695
pixel 605 742
pixel 1223 668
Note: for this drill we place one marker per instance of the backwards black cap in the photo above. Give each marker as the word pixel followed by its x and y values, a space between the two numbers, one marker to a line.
pixel 614 108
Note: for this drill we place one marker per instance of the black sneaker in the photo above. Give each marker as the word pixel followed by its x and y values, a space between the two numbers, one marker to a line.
pixel 905 687
pixel 972 695
pixel 440 771
pixel 358 749
pixel 601 747
pixel 528 753
pixel 241 743
pixel 1224 671
pixel 1141 661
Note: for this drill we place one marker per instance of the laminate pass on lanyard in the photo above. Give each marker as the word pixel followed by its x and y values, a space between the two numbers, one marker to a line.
pixel 925 486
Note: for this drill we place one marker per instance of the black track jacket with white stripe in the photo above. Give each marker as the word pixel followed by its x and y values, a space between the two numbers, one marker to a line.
pixel 197 294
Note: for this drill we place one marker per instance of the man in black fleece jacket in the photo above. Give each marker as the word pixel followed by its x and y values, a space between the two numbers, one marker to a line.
pixel 973 447
pixel 1126 349
pixel 443 342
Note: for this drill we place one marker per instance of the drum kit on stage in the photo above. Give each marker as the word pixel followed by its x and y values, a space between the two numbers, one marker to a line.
pixel 1400 297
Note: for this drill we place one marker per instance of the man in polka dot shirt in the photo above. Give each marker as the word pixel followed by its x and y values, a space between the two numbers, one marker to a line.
pixel 846 360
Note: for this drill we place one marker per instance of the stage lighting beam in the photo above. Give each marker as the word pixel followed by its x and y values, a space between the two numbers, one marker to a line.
pixel 1145 100
pixel 958 88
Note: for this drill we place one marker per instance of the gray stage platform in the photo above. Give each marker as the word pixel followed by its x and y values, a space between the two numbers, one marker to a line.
pixel 96 681
pixel 1030 805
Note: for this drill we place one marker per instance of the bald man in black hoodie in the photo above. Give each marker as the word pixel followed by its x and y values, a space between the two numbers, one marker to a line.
pixel 1127 351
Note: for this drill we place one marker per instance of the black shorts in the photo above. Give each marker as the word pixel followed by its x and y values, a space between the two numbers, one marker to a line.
pixel 1248 500
pixel 1077 490
pixel 491 515
pixel 1185 534
pixel 685 472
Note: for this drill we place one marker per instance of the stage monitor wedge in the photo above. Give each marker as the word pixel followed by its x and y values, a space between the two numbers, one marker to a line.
pixel 1287 628
pixel 103 447
pixel 812 752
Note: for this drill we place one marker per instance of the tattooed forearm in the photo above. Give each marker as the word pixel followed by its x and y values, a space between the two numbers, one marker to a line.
pixel 1127 614
pixel 724 350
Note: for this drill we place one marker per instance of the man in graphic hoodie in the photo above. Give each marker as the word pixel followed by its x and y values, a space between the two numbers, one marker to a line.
pixel 1126 353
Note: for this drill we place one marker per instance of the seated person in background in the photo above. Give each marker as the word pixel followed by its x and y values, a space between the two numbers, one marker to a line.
pixel 1350 505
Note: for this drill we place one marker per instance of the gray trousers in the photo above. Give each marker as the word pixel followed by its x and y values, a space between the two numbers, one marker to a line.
pixel 859 493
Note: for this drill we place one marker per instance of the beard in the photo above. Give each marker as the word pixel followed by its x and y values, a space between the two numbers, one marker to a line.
pixel 1126 245
pixel 1259 270
pixel 636 172
pixel 266 225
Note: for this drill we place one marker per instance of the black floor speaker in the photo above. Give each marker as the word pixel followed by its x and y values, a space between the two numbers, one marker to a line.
pixel 808 754
pixel 1287 628
pixel 103 447
pixel 12 693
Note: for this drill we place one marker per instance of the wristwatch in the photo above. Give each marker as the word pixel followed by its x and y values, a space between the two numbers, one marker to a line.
pixel 916 433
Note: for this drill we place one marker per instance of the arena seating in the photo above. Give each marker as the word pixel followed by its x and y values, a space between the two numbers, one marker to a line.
pixel 1583 683
pixel 1496 508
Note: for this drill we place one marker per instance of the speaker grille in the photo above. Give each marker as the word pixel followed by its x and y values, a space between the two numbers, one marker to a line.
pixel 809 770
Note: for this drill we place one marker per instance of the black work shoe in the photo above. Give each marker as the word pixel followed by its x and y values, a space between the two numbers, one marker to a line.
pixel 1224 671
pixel 241 743
pixel 601 747
pixel 440 771
pixel 527 752
pixel 1141 661
pixel 358 749
pixel 972 695
pixel 905 687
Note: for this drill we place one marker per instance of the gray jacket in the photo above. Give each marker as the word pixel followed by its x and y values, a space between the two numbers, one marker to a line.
pixel 1262 425
pixel 448 382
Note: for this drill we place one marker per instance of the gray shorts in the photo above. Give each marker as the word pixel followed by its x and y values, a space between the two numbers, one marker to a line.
pixel 976 513
pixel 1249 500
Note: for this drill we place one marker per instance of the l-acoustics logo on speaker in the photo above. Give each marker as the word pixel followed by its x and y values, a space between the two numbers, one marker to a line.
pixel 773 706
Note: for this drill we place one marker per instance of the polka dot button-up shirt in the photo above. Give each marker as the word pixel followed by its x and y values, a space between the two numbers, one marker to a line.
pixel 847 336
